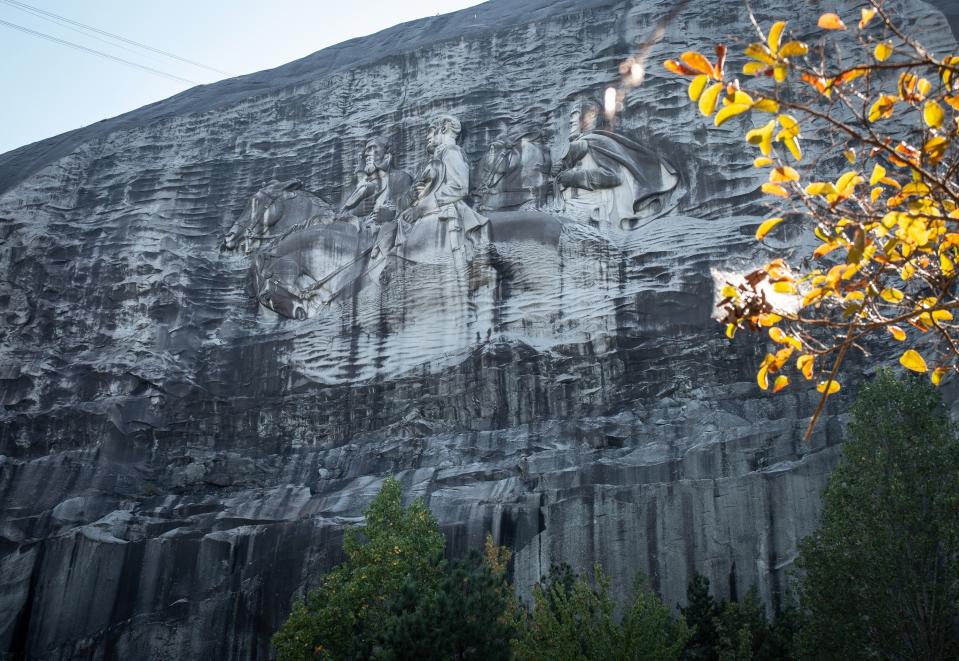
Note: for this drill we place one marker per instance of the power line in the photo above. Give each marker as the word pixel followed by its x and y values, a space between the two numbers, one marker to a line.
pixel 87 34
pixel 48 37
pixel 37 11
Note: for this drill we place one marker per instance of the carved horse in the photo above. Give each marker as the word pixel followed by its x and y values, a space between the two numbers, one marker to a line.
pixel 274 211
pixel 313 266
pixel 514 172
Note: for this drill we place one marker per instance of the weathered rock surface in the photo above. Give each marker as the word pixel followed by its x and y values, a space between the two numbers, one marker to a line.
pixel 176 462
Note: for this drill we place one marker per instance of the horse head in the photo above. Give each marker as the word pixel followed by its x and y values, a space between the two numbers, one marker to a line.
pixel 262 212
pixel 513 172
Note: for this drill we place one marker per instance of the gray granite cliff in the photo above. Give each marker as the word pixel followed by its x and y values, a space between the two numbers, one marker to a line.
pixel 177 460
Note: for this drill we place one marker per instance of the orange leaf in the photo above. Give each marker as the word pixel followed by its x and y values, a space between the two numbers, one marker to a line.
pixel 678 68
pixel 897 332
pixel 831 22
pixel 697 62
pixel 781 382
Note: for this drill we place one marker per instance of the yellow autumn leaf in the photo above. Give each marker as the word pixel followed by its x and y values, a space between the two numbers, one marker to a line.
pixel 882 51
pixel 730 330
pixel 793 145
pixel 784 288
pixel 762 376
pixel 727 112
pixel 848 182
pixel 767 105
pixel 763 137
pixel 825 249
pixel 946 265
pixel 781 174
pixel 781 382
pixel 882 108
pixel 933 115
pixel 936 376
pixel 709 98
pixel 821 188
pixel 793 49
pixel 775 35
pixel 793 341
pixel 850 155
pixel 878 172
pixel 911 360
pixel 891 295
pixel 897 332
pixel 760 52
pixel 766 226
pixel 830 21
pixel 762 161
pixel 805 365
pixel 790 126
pixel 696 86
pixel 754 68
pixel 935 148
pixel 866 16
pixel 774 189
pixel 832 385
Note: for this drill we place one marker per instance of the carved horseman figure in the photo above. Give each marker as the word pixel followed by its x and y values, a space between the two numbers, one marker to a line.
pixel 381 192
pixel 606 178
pixel 515 173
pixel 441 190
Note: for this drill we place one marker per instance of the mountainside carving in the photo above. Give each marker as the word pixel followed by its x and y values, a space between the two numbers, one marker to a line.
pixel 225 318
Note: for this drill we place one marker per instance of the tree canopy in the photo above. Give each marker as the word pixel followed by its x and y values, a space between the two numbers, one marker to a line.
pixel 886 227
pixel 347 615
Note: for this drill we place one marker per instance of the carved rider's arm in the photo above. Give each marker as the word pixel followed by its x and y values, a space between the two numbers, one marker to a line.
pixel 587 178
pixel 362 191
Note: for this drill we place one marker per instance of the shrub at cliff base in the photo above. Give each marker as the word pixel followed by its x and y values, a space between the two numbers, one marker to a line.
pixel 395 598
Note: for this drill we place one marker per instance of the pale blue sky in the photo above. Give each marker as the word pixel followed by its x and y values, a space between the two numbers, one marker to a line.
pixel 49 88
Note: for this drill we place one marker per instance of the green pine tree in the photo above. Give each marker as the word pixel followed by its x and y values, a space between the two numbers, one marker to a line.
pixel 572 621
pixel 465 616
pixel 882 570
pixel 701 613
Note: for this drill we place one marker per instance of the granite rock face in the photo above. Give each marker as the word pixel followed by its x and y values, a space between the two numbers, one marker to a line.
pixel 177 461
